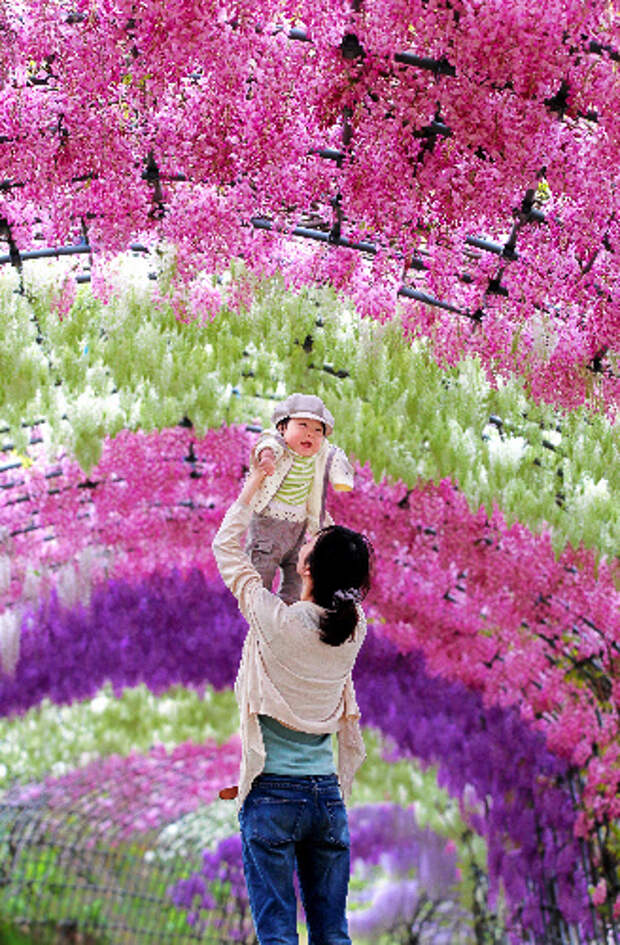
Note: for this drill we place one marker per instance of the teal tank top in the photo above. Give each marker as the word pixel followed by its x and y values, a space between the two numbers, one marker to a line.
pixel 296 753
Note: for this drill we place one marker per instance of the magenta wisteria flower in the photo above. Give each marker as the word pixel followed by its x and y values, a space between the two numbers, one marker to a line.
pixel 121 796
pixel 451 165
pixel 165 629
pixel 471 150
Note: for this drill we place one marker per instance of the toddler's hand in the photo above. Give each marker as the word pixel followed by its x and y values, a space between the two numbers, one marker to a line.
pixel 267 461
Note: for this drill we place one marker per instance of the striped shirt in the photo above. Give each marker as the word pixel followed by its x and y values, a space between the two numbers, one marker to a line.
pixel 295 487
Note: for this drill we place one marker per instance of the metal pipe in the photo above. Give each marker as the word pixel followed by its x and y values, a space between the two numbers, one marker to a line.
pixel 441 66
pixel 321 236
pixel 409 293
pixel 77 249
pixel 331 154
pixel 487 245
pixel 299 34
pixel 46 253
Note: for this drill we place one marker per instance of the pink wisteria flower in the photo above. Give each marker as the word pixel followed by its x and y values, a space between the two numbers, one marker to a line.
pixel 410 128
pixel 139 793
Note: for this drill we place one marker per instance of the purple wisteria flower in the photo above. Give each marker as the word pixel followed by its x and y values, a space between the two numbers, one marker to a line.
pixel 517 790
pixel 410 884
pixel 410 879
pixel 164 629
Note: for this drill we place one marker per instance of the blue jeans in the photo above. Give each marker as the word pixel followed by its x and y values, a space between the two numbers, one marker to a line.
pixel 289 822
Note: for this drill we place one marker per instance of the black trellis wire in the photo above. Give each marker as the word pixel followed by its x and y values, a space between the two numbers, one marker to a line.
pixel 193 463
pixel 33 526
pixel 562 934
pixel 57 251
pixel 17 258
pixel 351 49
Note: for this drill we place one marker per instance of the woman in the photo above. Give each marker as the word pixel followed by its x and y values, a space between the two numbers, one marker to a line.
pixel 294 689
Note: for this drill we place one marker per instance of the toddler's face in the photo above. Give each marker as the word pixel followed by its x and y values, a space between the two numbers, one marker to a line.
pixel 303 435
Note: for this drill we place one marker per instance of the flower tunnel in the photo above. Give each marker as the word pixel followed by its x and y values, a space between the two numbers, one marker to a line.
pixel 412 211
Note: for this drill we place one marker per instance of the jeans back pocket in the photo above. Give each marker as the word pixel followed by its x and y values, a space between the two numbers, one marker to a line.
pixel 274 821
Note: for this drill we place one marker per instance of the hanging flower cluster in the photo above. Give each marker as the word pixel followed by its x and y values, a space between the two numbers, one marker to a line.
pixel 411 878
pixel 150 501
pixel 470 153
pixel 425 133
pixel 160 630
pixel 52 740
pixel 511 788
pixel 140 793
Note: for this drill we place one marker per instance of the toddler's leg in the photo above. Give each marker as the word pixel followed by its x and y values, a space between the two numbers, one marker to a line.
pixel 262 550
pixel 290 587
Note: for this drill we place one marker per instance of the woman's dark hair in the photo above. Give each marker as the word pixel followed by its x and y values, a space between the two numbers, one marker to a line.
pixel 339 564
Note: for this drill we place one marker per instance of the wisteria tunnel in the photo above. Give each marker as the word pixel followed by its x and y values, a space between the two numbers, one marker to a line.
pixel 411 210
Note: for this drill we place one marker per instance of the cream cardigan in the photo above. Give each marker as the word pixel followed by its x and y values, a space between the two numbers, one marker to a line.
pixel 286 671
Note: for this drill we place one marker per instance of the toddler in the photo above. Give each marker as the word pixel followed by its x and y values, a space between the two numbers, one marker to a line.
pixel 299 462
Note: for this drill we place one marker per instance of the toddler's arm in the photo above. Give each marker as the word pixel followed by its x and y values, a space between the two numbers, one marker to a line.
pixel 266 453
pixel 341 473
pixel 262 609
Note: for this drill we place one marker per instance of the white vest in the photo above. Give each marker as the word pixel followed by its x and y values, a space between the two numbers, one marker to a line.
pixel 329 458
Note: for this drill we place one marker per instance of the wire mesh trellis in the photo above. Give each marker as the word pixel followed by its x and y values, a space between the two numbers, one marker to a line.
pixel 68 864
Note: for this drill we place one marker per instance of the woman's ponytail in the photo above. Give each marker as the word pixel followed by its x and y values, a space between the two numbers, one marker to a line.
pixel 337 625
pixel 340 569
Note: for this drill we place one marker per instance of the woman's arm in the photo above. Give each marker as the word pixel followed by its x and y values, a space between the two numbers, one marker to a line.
pixel 251 485
pixel 236 569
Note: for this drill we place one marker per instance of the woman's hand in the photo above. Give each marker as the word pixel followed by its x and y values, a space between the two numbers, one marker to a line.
pixel 267 460
pixel 251 485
